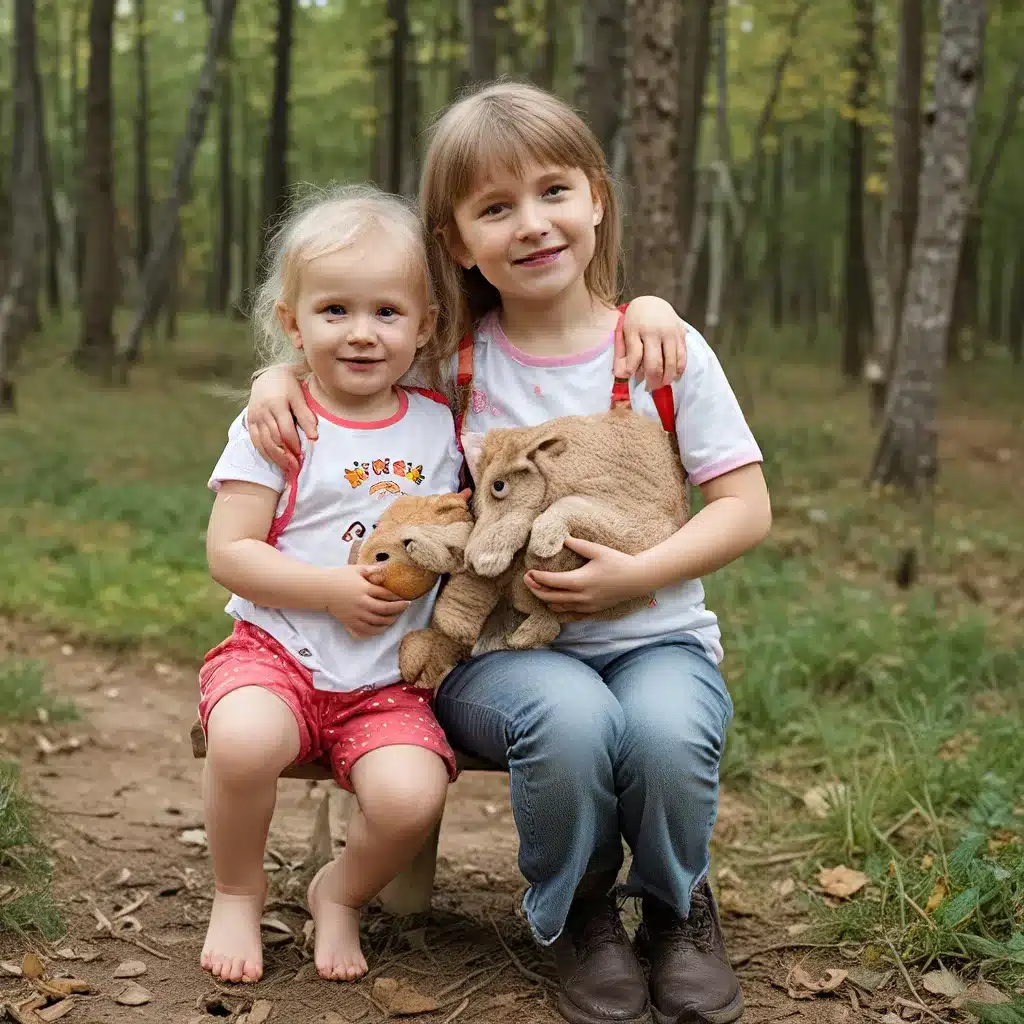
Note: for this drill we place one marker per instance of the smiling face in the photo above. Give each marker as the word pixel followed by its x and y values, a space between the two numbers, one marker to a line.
pixel 359 315
pixel 531 234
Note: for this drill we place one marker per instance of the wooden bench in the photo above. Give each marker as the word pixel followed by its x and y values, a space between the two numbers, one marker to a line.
pixel 410 892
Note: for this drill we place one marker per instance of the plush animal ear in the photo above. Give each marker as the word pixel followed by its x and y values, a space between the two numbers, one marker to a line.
pixel 436 547
pixel 551 444
pixel 453 503
pixel 353 552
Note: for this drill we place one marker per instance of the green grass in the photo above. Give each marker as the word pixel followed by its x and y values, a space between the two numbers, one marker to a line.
pixel 910 701
pixel 28 905
pixel 23 697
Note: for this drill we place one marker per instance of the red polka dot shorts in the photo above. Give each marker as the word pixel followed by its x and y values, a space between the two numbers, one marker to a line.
pixel 334 728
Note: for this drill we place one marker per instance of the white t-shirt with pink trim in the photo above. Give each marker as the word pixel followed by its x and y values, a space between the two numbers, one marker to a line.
pixel 348 477
pixel 514 389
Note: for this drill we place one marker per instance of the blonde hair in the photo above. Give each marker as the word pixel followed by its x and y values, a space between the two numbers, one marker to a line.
pixel 506 125
pixel 322 221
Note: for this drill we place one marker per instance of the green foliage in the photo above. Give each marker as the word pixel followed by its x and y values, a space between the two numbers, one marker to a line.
pixel 23 865
pixel 23 697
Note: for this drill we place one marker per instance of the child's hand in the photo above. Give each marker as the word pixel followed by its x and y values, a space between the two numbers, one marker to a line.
pixel 275 399
pixel 608 578
pixel 651 335
pixel 358 601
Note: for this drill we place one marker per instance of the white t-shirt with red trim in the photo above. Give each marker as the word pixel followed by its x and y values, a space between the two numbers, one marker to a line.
pixel 347 479
pixel 513 389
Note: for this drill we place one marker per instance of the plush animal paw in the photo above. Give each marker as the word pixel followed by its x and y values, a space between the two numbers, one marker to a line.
pixel 547 537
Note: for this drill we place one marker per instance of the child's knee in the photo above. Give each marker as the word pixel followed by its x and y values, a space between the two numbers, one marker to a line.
pixel 252 736
pixel 403 795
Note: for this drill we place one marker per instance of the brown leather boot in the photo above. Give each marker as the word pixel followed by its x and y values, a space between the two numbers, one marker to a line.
pixel 692 981
pixel 601 981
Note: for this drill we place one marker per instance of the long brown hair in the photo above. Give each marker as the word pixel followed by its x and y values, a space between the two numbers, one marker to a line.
pixel 506 125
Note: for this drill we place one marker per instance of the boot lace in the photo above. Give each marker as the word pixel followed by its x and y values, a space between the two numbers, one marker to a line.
pixel 596 923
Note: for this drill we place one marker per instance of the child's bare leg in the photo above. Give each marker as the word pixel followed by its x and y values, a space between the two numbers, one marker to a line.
pixel 251 738
pixel 401 791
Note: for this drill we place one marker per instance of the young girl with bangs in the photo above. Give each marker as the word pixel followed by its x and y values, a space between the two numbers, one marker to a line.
pixel 622 721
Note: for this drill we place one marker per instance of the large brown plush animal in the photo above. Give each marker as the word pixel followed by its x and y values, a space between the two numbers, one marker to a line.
pixel 614 479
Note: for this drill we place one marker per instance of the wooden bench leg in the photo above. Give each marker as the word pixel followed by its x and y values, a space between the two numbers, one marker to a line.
pixel 410 892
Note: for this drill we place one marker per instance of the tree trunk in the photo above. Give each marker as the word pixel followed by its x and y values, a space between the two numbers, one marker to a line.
pixel 904 175
pixel 143 203
pixel 154 277
pixel 654 86
pixel 77 158
pixel 483 40
pixel 21 281
pixel 907 453
pixel 96 350
pixel 275 156
pixel 856 289
pixel 52 232
pixel 996 294
pixel 545 74
pixel 398 18
pixel 963 332
pixel 774 241
pixel 226 176
pixel 1015 325
pixel 602 68
pixel 695 47
pixel 245 197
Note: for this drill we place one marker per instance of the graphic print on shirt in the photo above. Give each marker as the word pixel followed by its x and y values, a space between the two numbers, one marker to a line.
pixel 361 472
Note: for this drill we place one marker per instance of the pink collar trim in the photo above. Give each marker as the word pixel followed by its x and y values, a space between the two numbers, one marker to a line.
pixel 322 413
pixel 492 322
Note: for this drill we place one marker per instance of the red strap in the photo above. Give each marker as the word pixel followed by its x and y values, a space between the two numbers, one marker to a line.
pixel 663 398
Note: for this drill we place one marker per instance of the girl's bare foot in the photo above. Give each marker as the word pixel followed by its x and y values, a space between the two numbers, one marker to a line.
pixel 233 950
pixel 337 954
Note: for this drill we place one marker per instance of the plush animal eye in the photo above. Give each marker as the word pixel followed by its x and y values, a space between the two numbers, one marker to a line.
pixel 382 556
pixel 498 488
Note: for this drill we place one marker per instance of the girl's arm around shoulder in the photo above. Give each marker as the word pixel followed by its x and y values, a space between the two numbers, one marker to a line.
pixel 651 342
pixel 276 407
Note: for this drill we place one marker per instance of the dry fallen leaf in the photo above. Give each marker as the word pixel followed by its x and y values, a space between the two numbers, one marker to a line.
pixel 927 861
pixel 981 992
pixel 939 893
pixel 821 800
pixel 842 881
pixel 193 837
pixel 65 986
pixel 801 985
pixel 133 994
pixel 869 980
pixel 786 887
pixel 797 929
pixel 727 877
pixel 56 1011
pixel 401 999
pixel 942 983
pixel 11 970
pixel 129 969
pixel 275 924
pixel 732 901
pixel 330 1017
pixel 260 1012
pixel 31 967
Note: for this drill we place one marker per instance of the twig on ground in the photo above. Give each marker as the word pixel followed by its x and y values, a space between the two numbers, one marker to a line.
pixel 517 963
pixel 461 1007
pixel 744 958
pixel 149 949
pixel 899 823
pixel 471 991
pixel 776 858
pixel 919 1005
pixel 449 989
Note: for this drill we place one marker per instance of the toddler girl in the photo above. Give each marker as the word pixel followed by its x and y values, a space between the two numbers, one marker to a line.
pixel 311 668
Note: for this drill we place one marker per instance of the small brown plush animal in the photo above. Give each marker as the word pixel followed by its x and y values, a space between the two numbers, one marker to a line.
pixel 613 478
pixel 410 557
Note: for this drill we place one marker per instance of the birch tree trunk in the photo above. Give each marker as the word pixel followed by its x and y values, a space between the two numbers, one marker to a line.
pixel 907 453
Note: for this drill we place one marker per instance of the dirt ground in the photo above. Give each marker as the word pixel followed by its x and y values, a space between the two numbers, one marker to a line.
pixel 121 801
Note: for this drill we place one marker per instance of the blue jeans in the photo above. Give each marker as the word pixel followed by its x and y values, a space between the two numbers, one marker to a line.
pixel 622 746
